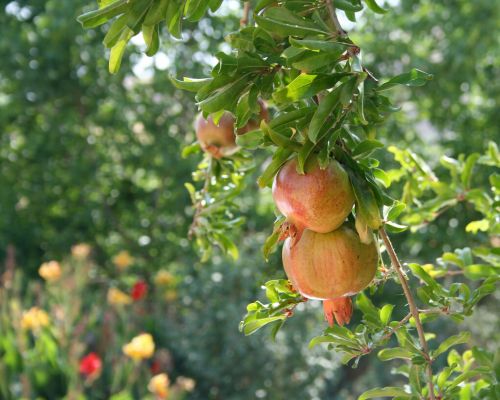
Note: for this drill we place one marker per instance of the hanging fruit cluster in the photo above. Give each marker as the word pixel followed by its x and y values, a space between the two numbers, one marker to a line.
pixel 323 255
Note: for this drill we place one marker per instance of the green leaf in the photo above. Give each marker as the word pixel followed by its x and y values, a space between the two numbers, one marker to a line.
pixel 279 139
pixel 215 5
pixel 413 78
pixel 337 335
pixel 395 228
pixel 173 18
pixel 366 147
pixel 360 109
pixel 365 199
pixel 306 86
pixel 425 277
pixel 322 114
pixel 152 39
pixel 444 375
pixel 482 225
pixel 393 353
pixel 450 342
pixel 483 357
pixel 272 241
pixel 282 21
pixel 480 271
pixel 195 9
pixel 463 377
pixel 364 232
pixel 156 13
pixel 136 13
pixel 263 4
pixel 226 98
pixel 114 32
pixel 384 392
pixel 227 245
pixel 395 210
pixel 382 177
pixel 385 313
pixel 190 84
pixel 347 5
pixel 468 168
pixel 250 140
pixel 371 313
pixel 326 46
pixel 372 5
pixel 98 17
pixel 312 62
pixel 291 117
pixel 254 325
pixel 279 158
pixel 116 55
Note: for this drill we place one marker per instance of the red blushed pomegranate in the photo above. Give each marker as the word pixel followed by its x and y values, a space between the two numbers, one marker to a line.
pixel 330 266
pixel 319 200
pixel 218 140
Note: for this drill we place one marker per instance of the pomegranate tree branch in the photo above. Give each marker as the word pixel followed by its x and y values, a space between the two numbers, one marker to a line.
pixel 333 16
pixel 412 305
pixel 398 326
pixel 246 14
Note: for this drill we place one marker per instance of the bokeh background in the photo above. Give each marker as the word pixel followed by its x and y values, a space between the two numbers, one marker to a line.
pixel 95 159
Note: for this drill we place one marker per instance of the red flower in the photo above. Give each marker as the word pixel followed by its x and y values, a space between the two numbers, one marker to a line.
pixel 90 365
pixel 139 290
pixel 155 367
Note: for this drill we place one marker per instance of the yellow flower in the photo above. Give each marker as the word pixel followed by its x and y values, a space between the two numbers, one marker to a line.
pixel 163 278
pixel 171 295
pixel 50 271
pixel 81 251
pixel 34 319
pixel 117 297
pixel 123 260
pixel 158 385
pixel 140 348
pixel 186 384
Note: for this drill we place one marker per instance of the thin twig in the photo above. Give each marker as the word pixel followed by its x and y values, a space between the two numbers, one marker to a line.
pixel 397 327
pixel 412 305
pixel 246 14
pixel 333 16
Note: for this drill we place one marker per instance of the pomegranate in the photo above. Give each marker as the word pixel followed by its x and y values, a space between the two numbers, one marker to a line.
pixel 218 140
pixel 320 200
pixel 329 266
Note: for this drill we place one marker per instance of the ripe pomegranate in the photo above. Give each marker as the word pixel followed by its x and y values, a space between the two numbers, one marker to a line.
pixel 329 266
pixel 220 140
pixel 319 200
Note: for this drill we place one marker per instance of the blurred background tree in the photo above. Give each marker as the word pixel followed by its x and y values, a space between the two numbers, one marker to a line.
pixel 90 157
